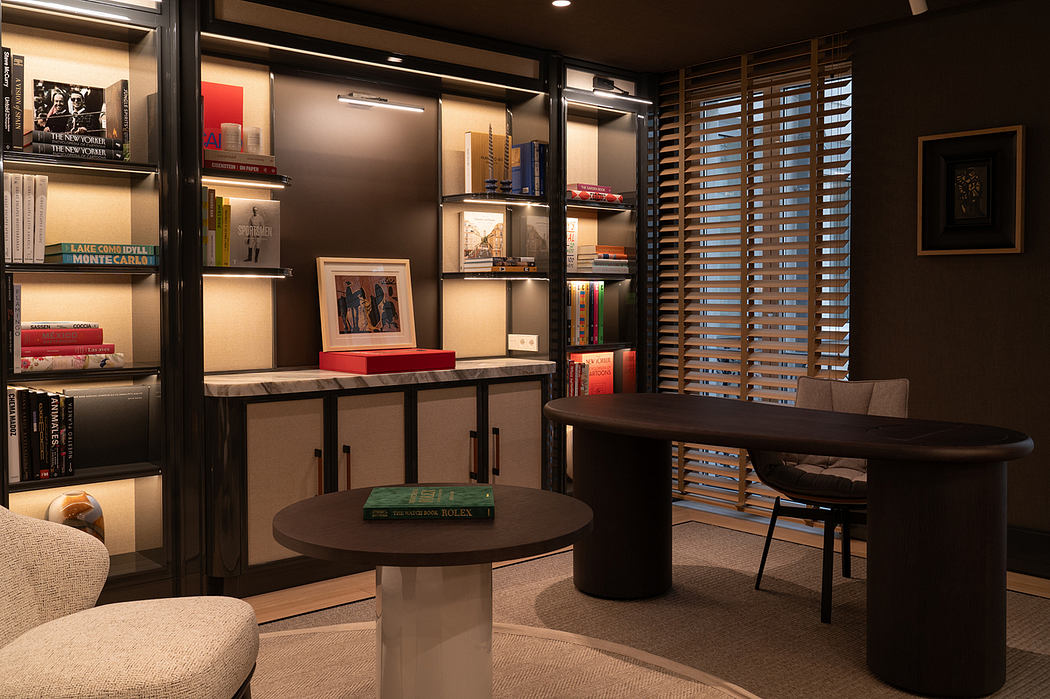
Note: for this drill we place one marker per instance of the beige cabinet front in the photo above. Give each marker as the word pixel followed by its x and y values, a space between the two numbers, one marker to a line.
pixel 371 439
pixel 447 452
pixel 282 467
pixel 515 433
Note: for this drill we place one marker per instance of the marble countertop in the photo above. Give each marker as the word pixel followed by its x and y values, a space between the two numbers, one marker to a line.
pixel 264 383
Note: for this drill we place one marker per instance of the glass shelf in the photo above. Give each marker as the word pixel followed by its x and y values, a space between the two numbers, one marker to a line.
pixel 250 272
pixel 65 268
pixel 214 177
pixel 132 372
pixel 494 198
pixel 606 347
pixel 496 275
pixel 597 276
pixel 93 474
pixel 135 562
pixel 598 206
pixel 48 163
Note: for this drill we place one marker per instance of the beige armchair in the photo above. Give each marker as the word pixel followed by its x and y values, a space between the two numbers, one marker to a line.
pixel 834 489
pixel 55 643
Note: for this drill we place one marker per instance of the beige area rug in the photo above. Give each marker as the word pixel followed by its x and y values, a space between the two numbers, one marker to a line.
pixel 339 661
pixel 770 642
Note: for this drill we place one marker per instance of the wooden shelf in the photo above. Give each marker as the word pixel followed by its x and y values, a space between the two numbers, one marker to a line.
pixel 93 474
pixel 495 198
pixel 64 268
pixel 272 272
pixel 495 275
pixel 16 160
pixel 246 179
pixel 606 347
pixel 132 372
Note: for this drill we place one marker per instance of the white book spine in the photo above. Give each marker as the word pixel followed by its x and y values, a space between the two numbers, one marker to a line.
pixel 16 218
pixel 28 246
pixel 40 217
pixel 7 204
pixel 16 328
pixel 14 470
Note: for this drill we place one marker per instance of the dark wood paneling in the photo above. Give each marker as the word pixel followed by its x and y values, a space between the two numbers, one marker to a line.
pixel 970 331
pixel 365 184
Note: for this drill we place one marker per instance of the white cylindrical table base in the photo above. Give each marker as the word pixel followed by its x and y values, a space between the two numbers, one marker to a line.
pixel 434 631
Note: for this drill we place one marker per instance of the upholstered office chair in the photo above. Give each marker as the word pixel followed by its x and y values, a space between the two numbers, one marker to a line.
pixel 833 488
pixel 55 643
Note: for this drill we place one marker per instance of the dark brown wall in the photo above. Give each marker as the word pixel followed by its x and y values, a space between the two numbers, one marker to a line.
pixel 972 332
pixel 364 184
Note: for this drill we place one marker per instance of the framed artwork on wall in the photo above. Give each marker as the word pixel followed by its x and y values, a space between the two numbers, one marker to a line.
pixel 971 192
pixel 365 303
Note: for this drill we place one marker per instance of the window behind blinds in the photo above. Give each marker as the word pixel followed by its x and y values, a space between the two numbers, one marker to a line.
pixel 753 237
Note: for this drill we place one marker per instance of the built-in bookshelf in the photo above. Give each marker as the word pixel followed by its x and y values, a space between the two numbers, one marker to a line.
pixel 100 78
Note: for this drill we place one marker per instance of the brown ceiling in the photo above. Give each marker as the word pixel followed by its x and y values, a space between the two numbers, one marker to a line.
pixel 652 37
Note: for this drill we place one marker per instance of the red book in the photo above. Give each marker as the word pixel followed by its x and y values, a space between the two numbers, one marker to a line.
pixel 51 350
pixel 61 336
pixel 387 361
pixel 599 371
pixel 220 104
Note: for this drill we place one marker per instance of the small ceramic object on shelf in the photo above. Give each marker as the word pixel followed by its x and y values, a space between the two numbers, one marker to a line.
pixel 80 510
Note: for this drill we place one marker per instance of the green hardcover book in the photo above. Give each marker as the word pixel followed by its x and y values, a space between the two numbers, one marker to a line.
pixel 430 502
pixel 99 249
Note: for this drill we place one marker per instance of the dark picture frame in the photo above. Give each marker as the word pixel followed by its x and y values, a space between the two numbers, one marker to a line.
pixel 971 192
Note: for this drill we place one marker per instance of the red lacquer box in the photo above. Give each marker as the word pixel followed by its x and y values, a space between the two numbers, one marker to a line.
pixel 387 361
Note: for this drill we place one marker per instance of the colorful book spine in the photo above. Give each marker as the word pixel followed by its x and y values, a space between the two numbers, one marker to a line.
pixel 25 429
pixel 9 133
pixel 219 213
pixel 46 350
pixel 226 210
pixel 89 259
pixel 18 85
pixel 596 188
pixel 240 167
pixel 583 195
pixel 100 249
pixel 118 118
pixel 73 362
pixel 15 329
pixel 56 324
pixel 86 152
pixel 61 336
pixel 72 139
pixel 14 471
pixel 8 216
pixel 430 513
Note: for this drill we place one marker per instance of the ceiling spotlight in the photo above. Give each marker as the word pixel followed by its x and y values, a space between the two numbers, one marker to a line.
pixel 561 3
pixel 376 101
pixel 918 6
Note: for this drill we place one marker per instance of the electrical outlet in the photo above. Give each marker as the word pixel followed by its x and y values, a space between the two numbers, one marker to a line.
pixel 524 343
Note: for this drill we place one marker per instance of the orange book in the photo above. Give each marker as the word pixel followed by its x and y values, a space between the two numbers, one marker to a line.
pixel 599 371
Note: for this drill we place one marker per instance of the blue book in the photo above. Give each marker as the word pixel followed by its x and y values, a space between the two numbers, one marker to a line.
pixel 100 259
pixel 541 168
pixel 521 167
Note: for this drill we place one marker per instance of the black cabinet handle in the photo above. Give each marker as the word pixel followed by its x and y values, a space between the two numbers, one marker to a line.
pixel 473 472
pixel 495 451
pixel 346 450
pixel 319 455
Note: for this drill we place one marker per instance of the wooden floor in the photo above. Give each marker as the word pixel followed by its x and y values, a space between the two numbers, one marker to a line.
pixel 353 588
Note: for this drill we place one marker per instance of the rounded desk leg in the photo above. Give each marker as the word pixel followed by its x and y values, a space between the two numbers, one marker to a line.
pixel 434 631
pixel 626 481
pixel 937 576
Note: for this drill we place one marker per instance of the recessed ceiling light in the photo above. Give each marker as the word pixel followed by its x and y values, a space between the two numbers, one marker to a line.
pixel 561 3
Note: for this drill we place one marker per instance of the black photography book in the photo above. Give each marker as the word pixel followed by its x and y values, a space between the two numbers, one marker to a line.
pixel 111 425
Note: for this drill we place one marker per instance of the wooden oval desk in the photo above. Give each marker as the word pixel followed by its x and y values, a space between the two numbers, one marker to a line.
pixel 936 518
pixel 433 578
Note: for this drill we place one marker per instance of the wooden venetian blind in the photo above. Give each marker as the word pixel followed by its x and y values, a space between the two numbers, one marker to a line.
pixel 753 239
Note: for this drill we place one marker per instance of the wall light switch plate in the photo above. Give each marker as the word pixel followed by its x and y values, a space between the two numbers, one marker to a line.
pixel 524 343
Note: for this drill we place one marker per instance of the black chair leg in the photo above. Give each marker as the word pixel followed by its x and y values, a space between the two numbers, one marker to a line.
pixel 847 563
pixel 769 538
pixel 827 567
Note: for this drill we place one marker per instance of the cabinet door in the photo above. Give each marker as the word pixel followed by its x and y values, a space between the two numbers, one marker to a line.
pixel 516 433
pixel 373 427
pixel 282 467
pixel 447 419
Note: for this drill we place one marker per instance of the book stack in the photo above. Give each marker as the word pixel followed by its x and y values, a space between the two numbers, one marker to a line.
pixel 579 191
pixel 100 254
pixel 500 264
pixel 586 313
pixel 239 232
pixel 528 168
pixel 609 259
pixel 68 120
pixel 39 434
pixel 25 217
pixel 13 98
pixel 596 373
pixel 65 344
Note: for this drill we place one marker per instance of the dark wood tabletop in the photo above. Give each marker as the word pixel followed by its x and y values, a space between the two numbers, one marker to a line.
pixel 751 425
pixel 527 522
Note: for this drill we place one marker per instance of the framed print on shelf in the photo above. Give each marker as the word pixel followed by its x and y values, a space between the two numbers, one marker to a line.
pixel 971 192
pixel 365 303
